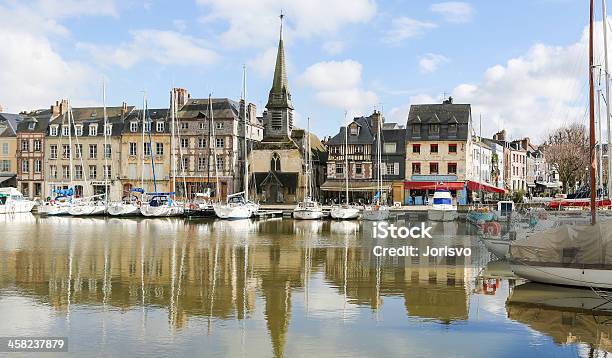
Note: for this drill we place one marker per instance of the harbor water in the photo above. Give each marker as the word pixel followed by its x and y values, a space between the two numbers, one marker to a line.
pixel 277 287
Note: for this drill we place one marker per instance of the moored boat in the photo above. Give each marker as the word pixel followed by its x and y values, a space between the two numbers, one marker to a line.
pixel 442 208
pixel 160 205
pixel 12 201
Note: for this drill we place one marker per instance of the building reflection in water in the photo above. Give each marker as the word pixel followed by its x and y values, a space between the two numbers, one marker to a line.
pixel 216 271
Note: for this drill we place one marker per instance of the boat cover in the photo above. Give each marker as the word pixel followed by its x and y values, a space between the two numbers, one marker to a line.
pixel 579 245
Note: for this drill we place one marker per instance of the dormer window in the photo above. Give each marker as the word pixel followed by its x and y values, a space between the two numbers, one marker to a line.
pixel 416 130
pixel 108 129
pixel 354 130
pixel 219 125
pixel 93 130
pixel 65 130
pixel 434 128
pixel 134 127
pixel 160 126
pixel 78 130
pixel 147 126
pixel 53 131
pixel 452 128
pixel 32 125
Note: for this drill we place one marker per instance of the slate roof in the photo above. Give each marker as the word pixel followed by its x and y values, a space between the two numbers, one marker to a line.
pixel 365 135
pixel 155 114
pixel 39 117
pixel 8 124
pixel 223 108
pixel 87 116
pixel 442 114
pixel 288 180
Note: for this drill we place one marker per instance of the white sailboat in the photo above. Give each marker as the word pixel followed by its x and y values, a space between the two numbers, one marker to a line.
pixel 238 205
pixel 12 201
pixel 162 204
pixel 60 205
pixel 345 211
pixel 442 208
pixel 572 255
pixel 378 210
pixel 308 209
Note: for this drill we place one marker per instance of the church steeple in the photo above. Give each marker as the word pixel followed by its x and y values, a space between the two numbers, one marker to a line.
pixel 279 96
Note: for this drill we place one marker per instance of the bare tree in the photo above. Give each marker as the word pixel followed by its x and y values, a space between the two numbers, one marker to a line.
pixel 567 150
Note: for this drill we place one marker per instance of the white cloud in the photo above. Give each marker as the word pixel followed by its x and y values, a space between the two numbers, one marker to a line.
pixel 180 25
pixel 164 47
pixel 72 8
pixel 431 62
pixel 36 73
pixel 333 47
pixel 264 63
pixel 255 23
pixel 403 28
pixel 532 94
pixel 338 85
pixel 454 11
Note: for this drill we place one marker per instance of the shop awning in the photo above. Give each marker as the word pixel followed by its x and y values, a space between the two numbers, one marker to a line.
pixel 432 185
pixel 338 185
pixel 476 186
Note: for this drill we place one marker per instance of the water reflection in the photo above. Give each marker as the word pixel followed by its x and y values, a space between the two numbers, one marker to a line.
pixel 204 275
pixel 568 315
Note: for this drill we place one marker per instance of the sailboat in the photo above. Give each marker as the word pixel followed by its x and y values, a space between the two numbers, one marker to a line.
pixel 345 211
pixel 130 202
pixel 572 255
pixel 378 210
pixel 238 205
pixel 95 204
pixel 308 209
pixel 160 204
pixel 61 203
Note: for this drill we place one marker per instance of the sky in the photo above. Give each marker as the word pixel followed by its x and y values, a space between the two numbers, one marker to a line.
pixel 521 64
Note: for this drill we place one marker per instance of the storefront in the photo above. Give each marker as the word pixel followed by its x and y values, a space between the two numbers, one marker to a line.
pixel 334 191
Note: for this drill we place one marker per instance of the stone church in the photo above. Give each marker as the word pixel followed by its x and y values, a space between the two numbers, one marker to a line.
pixel 278 161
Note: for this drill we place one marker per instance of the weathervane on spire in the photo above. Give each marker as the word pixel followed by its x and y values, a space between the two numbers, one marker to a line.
pixel 281 23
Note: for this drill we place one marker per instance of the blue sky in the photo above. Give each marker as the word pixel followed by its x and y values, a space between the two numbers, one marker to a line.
pixel 517 62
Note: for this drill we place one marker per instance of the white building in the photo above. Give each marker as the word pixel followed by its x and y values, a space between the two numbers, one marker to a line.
pixel 481 162
pixel 497 162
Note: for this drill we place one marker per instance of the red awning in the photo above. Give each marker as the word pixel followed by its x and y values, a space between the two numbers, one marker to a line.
pixel 475 186
pixel 449 185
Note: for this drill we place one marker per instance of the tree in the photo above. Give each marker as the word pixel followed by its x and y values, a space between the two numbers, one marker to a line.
pixel 567 150
pixel 495 168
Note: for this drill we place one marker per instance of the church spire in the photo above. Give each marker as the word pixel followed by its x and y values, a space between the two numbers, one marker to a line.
pixel 279 96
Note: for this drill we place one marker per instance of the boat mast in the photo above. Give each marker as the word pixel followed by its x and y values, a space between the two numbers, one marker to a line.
pixel 172 141
pixel 607 79
pixel 307 194
pixel 214 147
pixel 142 166
pixel 246 153
pixel 105 143
pixel 346 175
pixel 379 158
pixel 591 117
pixel 151 152
pixel 70 142
pixel 599 141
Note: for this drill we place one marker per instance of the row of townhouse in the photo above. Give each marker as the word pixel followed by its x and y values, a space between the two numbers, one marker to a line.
pixel 207 146
pixel 437 149
pixel 76 147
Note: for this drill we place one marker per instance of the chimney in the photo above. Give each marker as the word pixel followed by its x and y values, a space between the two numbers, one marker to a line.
pixel 55 109
pixel 501 135
pixel 377 120
pixel 124 108
pixel 448 101
pixel 63 107
pixel 182 95
pixel 1 109
pixel 252 110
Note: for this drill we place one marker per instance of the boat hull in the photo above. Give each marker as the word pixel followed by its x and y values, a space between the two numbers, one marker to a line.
pixel 238 212
pixel 498 247
pixel 87 210
pixel 13 207
pixel 53 209
pixel 161 211
pixel 441 215
pixel 566 276
pixel 344 213
pixel 123 209
pixel 307 214
pixel 375 214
